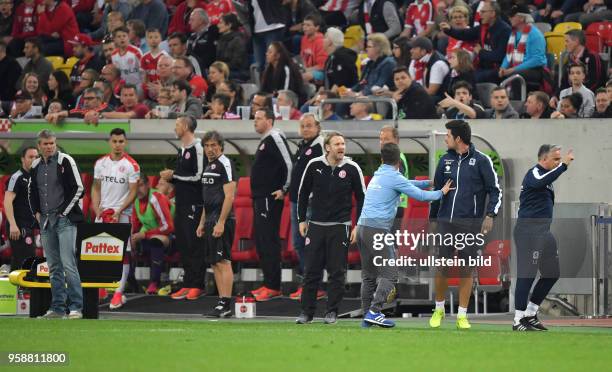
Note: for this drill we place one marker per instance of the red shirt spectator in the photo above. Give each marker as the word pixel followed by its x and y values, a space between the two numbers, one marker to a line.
pixel 199 86
pixel 180 19
pixel 59 18
pixel 140 110
pixel 419 15
pixel 313 52
pixel 24 24
pixel 217 8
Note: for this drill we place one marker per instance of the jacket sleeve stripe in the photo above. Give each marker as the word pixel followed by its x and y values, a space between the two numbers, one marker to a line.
pixel 80 188
pixel 200 159
pixel 499 199
pixel 13 181
pixel 536 172
pixel 282 147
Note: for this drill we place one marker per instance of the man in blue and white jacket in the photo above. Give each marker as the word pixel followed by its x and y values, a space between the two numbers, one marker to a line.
pixel 461 211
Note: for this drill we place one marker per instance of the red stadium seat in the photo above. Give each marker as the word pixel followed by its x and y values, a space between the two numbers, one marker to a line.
pixel 604 29
pixel 594 42
pixel 243 210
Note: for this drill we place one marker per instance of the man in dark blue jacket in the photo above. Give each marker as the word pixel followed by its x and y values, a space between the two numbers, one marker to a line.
pixel 461 211
pixel 536 248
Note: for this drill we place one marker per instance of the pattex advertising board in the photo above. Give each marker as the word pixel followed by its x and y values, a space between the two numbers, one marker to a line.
pixel 100 249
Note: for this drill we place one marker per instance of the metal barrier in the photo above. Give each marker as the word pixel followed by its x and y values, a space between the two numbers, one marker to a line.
pixel 513 78
pixel 368 99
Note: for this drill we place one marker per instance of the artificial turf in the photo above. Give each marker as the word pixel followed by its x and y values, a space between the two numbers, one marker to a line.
pixel 251 345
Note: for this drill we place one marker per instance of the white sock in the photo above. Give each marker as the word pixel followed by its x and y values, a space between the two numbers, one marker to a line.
pixel 518 315
pixel 532 309
pixel 440 305
pixel 124 276
pixel 462 311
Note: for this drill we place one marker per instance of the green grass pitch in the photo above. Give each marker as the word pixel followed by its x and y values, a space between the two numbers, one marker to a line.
pixel 183 345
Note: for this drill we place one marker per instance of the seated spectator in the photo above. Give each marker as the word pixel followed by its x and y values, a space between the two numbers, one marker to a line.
pixel 56 25
pixel 419 19
pixel 401 51
pixel 82 48
pixel 24 109
pixel 459 20
pixel 492 35
pixel 234 90
pixel 109 97
pixel 461 106
pixel 413 101
pixel 219 109
pixel 37 63
pixel 202 44
pixel 380 16
pixel 164 99
pixel 24 27
pixel 429 68
pixel 290 99
pixel 312 49
pixel 180 19
pixel 153 13
pixel 603 109
pixel 182 69
pixel 32 84
pixel 361 111
pixel 526 50
pixel 218 73
pixel 55 106
pixel 10 70
pixel 536 106
pixel 88 77
pixel 150 60
pixel 60 89
pixel 578 53
pixel 500 105
pixel 327 111
pixel 177 42
pixel 281 72
pixel 165 76
pixel 609 89
pixel 568 107
pixel 378 72
pixel 127 57
pixel 112 10
pixel 183 103
pixel 340 67
pixel 593 11
pixel 462 68
pixel 130 107
pixel 108 47
pixel 576 78
pixel 94 104
pixel 231 47
pixel 261 101
pixel 137 35
pixel 112 74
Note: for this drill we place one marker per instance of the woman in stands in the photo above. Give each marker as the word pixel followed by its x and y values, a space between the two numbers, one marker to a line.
pixel 459 17
pixel 569 107
pixel 231 47
pixel 234 90
pixel 378 72
pixel 218 73
pixel 462 69
pixel 281 72
pixel 401 51
pixel 32 85
pixel 60 89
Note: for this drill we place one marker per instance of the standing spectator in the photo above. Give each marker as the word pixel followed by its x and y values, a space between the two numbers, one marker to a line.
pixel 110 6
pixel 267 26
pixel 217 9
pixel 536 106
pixel 380 16
pixel 6 20
pixel 270 180
pixel 127 57
pixel 202 43
pixel 187 178
pixel 60 89
pixel 153 13
pixel 461 105
pixel 603 109
pixel 180 19
pixel 10 70
pixel 295 14
pixel 54 193
pixel 492 36
pixel 462 68
pixel 281 73
pixel 177 42
pixel 378 72
pixel 328 180
pixel 24 27
pixel 37 63
pixel 577 53
pixel 336 13
pixel 500 105
pixel 310 147
pixel 340 69
pixel 108 47
pixel 83 12
pixel 218 73
pixel 19 218
pixel 429 68
pixel 23 108
pixel 56 25
pixel 459 20
pixel 182 69
pixel 312 50
pixel 569 107
pixel 419 19
pixel 413 101
pixel 231 47
pixel 150 60
pixel 576 78
pixel 82 48
pixel 130 107
pixel 137 34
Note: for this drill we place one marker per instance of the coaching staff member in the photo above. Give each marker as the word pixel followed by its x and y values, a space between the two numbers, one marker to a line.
pixel 187 180
pixel 54 192
pixel 270 179
pixel 328 183
pixel 462 210
pixel 536 248
pixel 20 220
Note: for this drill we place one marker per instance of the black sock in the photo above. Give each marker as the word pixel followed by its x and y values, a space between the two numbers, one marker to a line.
pixel 225 301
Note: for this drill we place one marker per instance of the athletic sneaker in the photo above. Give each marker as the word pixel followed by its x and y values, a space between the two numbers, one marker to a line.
pixel 297 295
pixel 74 314
pixel 378 319
pixel 220 311
pixel 365 324
pixel 462 322
pixel 304 319
pixel 535 323
pixel 152 288
pixel 258 290
pixel 118 301
pixel 436 318
pixel 267 295
pixel 50 314
pixel 181 294
pixel 523 326
pixel 194 293
pixel 331 318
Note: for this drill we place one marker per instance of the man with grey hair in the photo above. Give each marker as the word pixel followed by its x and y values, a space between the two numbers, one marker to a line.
pixel 340 68
pixel 289 98
pixel 202 43
pixel 93 105
pixel 54 193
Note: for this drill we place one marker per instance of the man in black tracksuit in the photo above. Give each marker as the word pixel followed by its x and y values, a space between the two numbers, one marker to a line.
pixel 328 184
pixel 187 180
pixel 536 248
pixel 270 179
pixel 461 211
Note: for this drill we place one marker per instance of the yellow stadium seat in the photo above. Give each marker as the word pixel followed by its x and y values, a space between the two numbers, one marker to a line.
pixel 66 68
pixel 56 61
pixel 564 27
pixel 555 43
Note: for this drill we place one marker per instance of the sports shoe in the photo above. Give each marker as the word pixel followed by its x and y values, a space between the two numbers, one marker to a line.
pixel 165 291
pixel 365 324
pixel 523 326
pixel 50 314
pixel 303 319
pixel 462 322
pixel 220 311
pixel 436 318
pixel 297 295
pixel 181 294
pixel 152 289
pixel 321 294
pixel 74 314
pixel 258 290
pixel 535 323
pixel 194 293
pixel 330 318
pixel 378 319
pixel 267 295
pixel 118 301
pixel 102 294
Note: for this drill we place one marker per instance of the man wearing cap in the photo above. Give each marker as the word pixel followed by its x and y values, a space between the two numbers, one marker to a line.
pixel 526 49
pixel 82 48
pixel 429 68
pixel 23 107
